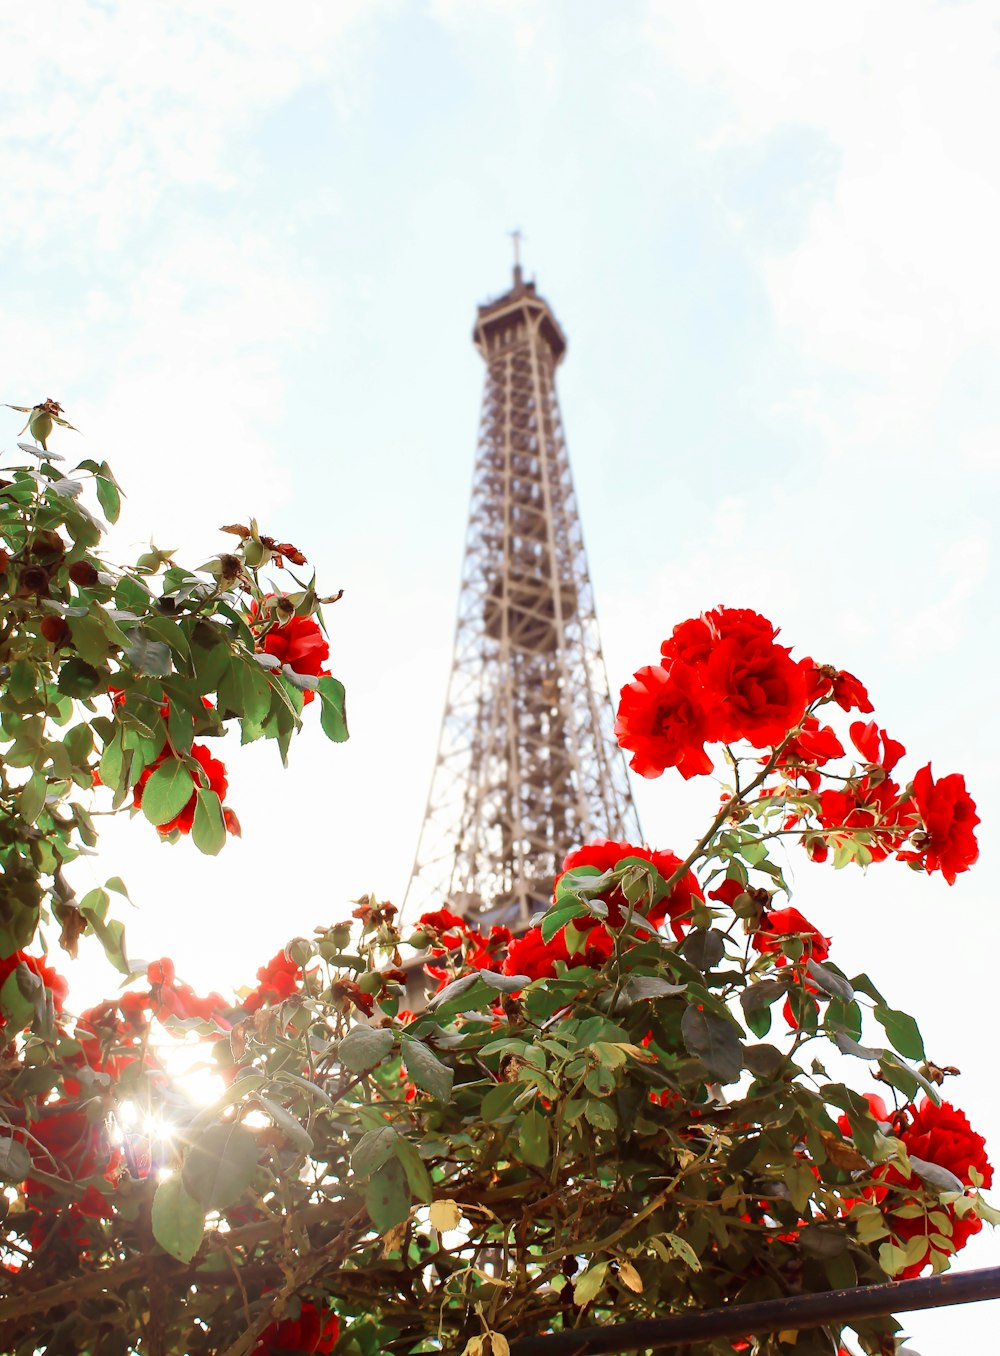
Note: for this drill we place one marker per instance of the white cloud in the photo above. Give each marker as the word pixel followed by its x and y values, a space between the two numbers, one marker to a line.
pixel 895 275
pixel 136 100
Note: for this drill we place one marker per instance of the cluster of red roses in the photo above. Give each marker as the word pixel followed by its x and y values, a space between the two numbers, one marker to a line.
pixel 449 936
pixel 300 646
pixel 931 1134
pixel 723 678
pixel 70 1137
pixel 531 955
pixel 314 1330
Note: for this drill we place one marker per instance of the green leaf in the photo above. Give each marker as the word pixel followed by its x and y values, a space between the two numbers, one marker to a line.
pixel 426 1070
pixel 756 1001
pixel 18 1008
pixel 80 680
pixel 167 792
pixel 641 987
pixel 704 948
pixel 764 1061
pixel 89 640
pixel 211 660
pixel 111 505
pixel 220 1165
pixel 15 1161
pixel 907 1080
pixel 387 1198
pixel 178 1221
pixel 533 1140
pixel 556 919
pixel 374 1148
pixel 79 743
pixel 112 937
pixel 683 1249
pixel 499 1101
pixel 333 709
pixel 589 1285
pixel 504 983
pixel 419 1179
pixel 830 982
pixel 149 656
pixel 31 799
pixel 209 828
pixel 363 1047
pixel 862 984
pixel 851 1047
pixel 601 1115
pixel 902 1031
pixel 293 1130
pixel 715 1043
pixel 941 1179
pixel 255 690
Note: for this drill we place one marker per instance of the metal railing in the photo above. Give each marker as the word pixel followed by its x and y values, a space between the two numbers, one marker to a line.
pixel 745 1320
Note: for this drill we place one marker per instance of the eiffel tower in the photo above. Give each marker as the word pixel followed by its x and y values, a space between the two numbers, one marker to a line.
pixel 527 766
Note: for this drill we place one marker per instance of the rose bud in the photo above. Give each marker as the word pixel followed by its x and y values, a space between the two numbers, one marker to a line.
pixel 300 951
pixel 83 573
pixel 55 631
pixel 33 579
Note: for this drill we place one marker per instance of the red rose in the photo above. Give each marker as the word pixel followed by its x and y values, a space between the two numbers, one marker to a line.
pixel 661 720
pixel 211 776
pixel 314 1330
pixel 948 815
pixel 301 645
pixel 850 694
pixel 811 748
pixel 728 891
pixel 77 1148
pixel 756 692
pixel 279 979
pixel 690 641
pixel 875 746
pixel 723 678
pixel 530 955
pixel 779 924
pixel 487 952
pixel 447 930
pixel 441 920
pixel 940 1135
pixel 874 806
pixel 605 856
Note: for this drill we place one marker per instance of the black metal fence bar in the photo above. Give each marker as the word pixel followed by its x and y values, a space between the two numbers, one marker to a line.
pixel 746 1320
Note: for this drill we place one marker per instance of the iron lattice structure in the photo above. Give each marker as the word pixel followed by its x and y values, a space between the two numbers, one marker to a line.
pixel 527 766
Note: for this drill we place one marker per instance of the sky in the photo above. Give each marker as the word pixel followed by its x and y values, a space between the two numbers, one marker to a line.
pixel 243 245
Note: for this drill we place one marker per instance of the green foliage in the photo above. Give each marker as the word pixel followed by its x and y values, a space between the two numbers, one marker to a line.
pixel 111 674
pixel 608 1138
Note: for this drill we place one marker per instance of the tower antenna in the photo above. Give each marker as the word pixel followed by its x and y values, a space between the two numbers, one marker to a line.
pixel 517 236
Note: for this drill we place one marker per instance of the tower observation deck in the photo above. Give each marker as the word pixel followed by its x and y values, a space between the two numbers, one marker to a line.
pixel 527 766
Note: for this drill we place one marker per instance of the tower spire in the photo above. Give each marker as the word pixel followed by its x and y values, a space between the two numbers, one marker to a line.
pixel 527 766
pixel 517 236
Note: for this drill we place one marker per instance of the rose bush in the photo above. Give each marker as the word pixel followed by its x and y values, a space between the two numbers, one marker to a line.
pixel 588 1122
